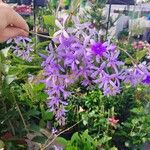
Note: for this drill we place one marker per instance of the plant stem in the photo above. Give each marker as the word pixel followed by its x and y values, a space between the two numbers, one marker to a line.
pixel 10 123
pixel 19 111
pixel 41 35
pixel 134 62
pixel 73 11
pixel 45 146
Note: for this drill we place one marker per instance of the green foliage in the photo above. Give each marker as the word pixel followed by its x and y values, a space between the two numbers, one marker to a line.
pixel 95 14
pixel 22 100
pixel 131 108
pixel 79 142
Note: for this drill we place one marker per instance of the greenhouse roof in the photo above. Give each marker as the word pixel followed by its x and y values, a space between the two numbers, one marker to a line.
pixel 123 2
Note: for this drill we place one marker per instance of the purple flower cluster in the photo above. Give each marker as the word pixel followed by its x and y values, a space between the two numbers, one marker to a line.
pixel 71 62
pixel 137 74
pixel 80 58
pixel 22 47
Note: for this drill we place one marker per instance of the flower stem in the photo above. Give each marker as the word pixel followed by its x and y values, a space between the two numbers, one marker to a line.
pixel 41 35
pixel 134 62
pixel 19 111
pixel 45 146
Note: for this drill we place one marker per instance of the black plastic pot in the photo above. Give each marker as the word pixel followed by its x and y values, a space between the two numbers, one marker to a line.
pixel 11 1
pixel 26 2
pixel 41 3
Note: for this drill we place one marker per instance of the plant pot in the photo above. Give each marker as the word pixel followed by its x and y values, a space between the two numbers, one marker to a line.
pixel 26 2
pixel 11 1
pixel 41 3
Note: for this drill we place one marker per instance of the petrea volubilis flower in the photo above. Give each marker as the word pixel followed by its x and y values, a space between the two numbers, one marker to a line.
pixel 147 80
pixel 77 58
pixel 22 47
pixel 98 48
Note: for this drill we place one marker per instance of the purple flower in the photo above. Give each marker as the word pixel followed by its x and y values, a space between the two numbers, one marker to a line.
pixel 98 48
pixel 113 62
pixel 146 81
pixel 112 47
pixel 54 102
pixel 54 131
pixel 22 47
pixel 97 71
pixel 60 116
pixel 112 90
pixel 136 74
pixel 109 83
pixel 77 58
pixel 61 26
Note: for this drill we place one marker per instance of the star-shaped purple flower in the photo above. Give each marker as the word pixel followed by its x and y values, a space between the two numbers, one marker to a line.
pixel 98 48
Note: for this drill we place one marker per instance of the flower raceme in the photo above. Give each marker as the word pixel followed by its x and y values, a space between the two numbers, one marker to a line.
pixel 79 58
pixel 71 62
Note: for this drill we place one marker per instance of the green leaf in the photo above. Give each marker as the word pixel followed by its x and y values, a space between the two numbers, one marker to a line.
pixel 75 137
pixel 128 61
pixel 5 51
pixel 62 141
pixel 105 139
pixel 38 87
pixel 49 20
pixel 74 5
pixel 85 119
pixel 9 146
pixel 140 54
pixel 4 68
pixel 10 78
pixel 42 123
pixel 47 115
pixel 70 147
pixel 127 144
pixel 35 128
pixel 33 112
pixel 39 139
pixel 1 144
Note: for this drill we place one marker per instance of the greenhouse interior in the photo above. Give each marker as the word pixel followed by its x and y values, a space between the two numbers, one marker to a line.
pixel 75 75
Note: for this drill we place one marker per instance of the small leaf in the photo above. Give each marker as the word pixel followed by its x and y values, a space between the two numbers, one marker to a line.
pixel 5 51
pixel 62 141
pixel 58 24
pixel 10 78
pixel 38 87
pixel 47 115
pixel 128 61
pixel 140 54
pixel 35 128
pixel 39 139
pixel 49 20
pixel 75 137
